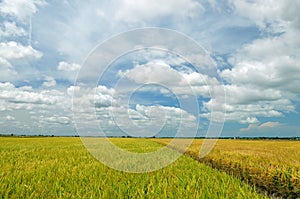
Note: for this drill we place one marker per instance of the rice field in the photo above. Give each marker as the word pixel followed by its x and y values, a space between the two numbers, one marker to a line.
pixel 270 165
pixel 62 168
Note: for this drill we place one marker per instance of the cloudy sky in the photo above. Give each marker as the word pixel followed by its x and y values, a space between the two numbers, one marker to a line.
pixel 253 46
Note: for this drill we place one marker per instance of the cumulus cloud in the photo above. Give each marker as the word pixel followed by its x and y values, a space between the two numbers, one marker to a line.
pixel 14 55
pixel 272 15
pixel 77 28
pixel 180 82
pixel 270 124
pixel 10 29
pixel 58 119
pixel 11 94
pixel 249 111
pixel 146 120
pixel 115 115
pixel 91 98
pixel 264 75
pixel 64 66
pixel 272 61
pixel 261 126
pixel 16 15
pixel 261 74
pixel 10 118
pixel 20 9
pixel 149 73
pixel 72 89
pixel 258 65
pixel 35 109
pixel 6 70
pixel 250 120
pixel 103 96
pixel 143 10
pixel 49 82
pixel 245 103
pixel 13 50
pixel 248 94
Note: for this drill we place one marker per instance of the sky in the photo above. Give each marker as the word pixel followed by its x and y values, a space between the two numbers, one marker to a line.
pixel 48 86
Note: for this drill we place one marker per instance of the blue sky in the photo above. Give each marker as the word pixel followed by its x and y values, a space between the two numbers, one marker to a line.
pixel 253 45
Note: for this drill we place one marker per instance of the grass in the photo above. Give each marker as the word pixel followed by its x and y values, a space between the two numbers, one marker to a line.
pixel 271 165
pixel 62 168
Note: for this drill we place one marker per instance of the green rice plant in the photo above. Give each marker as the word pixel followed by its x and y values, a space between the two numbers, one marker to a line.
pixel 63 168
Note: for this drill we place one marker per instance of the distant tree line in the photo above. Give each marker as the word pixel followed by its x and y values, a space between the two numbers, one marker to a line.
pixel 126 136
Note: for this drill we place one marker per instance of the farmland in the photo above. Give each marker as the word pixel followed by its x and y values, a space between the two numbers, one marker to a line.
pixel 62 168
pixel 271 165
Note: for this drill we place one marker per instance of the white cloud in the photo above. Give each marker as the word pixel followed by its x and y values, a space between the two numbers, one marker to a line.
pixel 98 97
pixel 49 82
pixel 34 111
pixel 11 94
pixel 140 11
pixel 6 85
pixel 270 15
pixel 153 73
pixel 247 94
pixel 146 120
pixel 102 100
pixel 20 9
pixel 7 71
pixel 113 115
pixel 250 120
pixel 103 97
pixel 13 57
pixel 173 112
pixel 261 126
pixel 270 124
pixel 78 29
pixel 10 29
pixel 178 81
pixel 267 63
pixel 259 11
pixel 4 63
pixel 58 119
pixel 104 90
pixel 13 50
pixel 244 104
pixel 272 61
pixel 72 89
pixel 10 118
pixel 264 78
pixel 68 67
